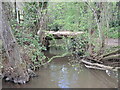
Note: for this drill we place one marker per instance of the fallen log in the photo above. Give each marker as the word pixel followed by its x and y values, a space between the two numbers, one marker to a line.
pixel 94 67
pixel 63 33
pixel 98 66
pixel 58 34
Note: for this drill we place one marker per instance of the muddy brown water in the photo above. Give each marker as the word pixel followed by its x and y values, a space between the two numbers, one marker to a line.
pixel 59 74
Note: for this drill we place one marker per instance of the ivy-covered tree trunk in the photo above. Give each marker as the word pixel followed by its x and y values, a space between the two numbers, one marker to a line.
pixel 16 69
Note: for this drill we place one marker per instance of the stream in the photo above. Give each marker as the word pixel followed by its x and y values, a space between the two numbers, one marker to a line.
pixel 59 74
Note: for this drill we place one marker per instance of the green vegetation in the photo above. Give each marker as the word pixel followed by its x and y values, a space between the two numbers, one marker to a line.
pixel 72 16
pixel 68 16
pixel 99 22
pixel 25 33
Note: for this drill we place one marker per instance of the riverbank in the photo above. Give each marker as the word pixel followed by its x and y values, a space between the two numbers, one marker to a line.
pixel 59 74
pixel 56 51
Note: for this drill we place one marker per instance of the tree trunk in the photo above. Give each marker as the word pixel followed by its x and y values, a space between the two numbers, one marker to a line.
pixel 99 18
pixel 42 21
pixel 15 8
pixel 16 70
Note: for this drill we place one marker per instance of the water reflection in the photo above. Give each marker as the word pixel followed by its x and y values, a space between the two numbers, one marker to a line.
pixel 63 80
pixel 59 74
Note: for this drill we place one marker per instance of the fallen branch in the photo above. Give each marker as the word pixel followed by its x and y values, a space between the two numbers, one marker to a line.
pixel 117 56
pixel 97 66
pixel 111 53
pixel 63 55
pixel 92 59
pixel 94 67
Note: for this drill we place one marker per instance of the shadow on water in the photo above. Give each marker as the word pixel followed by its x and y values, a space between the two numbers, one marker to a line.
pixel 59 74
